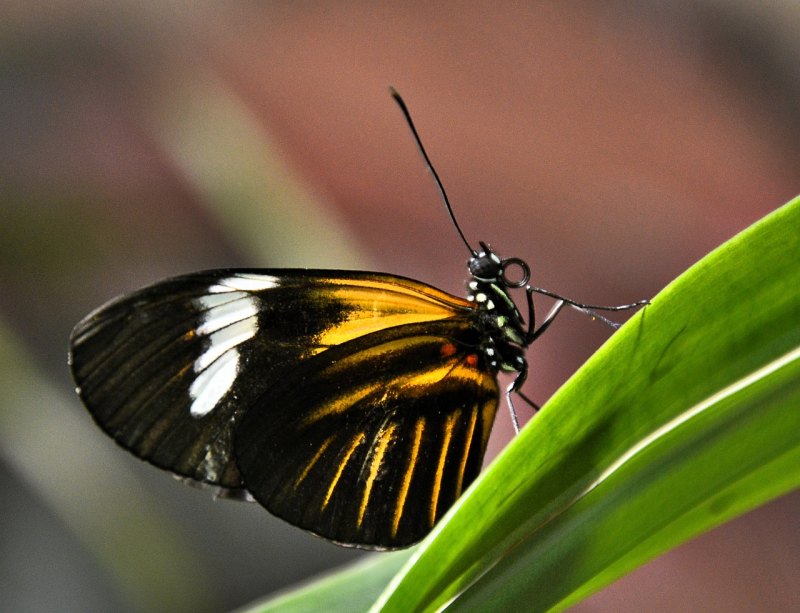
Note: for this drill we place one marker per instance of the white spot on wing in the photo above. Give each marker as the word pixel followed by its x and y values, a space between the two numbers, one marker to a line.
pixel 221 314
pixel 245 282
pixel 213 383
pixel 226 339
pixel 217 298
pixel 229 317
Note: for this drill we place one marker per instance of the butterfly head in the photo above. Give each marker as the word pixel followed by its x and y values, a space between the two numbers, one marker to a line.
pixel 487 267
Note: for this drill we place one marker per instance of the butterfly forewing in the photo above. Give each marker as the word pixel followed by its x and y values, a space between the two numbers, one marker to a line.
pixel 169 371
pixel 371 442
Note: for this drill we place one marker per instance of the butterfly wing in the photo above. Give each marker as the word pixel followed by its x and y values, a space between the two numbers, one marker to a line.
pixel 168 371
pixel 370 442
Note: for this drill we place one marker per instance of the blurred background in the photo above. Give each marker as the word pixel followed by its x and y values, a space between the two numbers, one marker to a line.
pixel 609 144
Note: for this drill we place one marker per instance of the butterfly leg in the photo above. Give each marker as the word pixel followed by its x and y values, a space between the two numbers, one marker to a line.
pixel 533 334
pixel 586 309
pixel 513 387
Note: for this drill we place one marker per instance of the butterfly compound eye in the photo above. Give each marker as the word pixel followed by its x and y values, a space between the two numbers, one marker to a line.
pixel 514 279
pixel 484 267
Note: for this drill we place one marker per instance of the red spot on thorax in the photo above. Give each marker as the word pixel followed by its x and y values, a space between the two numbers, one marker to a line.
pixel 472 360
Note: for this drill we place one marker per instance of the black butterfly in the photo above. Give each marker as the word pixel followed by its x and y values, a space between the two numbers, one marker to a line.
pixel 355 405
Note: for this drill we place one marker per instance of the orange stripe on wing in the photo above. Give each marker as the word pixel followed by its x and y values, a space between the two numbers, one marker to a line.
pixel 412 463
pixel 357 440
pixel 384 438
pixel 437 483
pixel 313 461
pixel 473 417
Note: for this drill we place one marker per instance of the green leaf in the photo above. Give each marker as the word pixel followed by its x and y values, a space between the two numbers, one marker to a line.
pixel 353 588
pixel 687 417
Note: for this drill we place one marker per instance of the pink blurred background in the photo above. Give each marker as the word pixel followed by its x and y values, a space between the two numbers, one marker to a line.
pixel 610 145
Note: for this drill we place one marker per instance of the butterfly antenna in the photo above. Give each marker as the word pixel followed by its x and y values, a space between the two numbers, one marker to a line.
pixel 404 108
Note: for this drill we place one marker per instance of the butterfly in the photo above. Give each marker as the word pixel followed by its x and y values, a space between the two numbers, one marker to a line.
pixel 354 405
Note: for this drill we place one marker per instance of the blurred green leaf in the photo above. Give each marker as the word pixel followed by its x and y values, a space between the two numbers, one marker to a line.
pixel 353 588
pixel 49 443
pixel 234 167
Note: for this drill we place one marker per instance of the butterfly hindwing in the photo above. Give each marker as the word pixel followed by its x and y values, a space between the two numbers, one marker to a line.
pixel 168 371
pixel 370 442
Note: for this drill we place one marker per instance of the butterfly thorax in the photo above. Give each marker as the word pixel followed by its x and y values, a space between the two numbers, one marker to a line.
pixel 500 322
